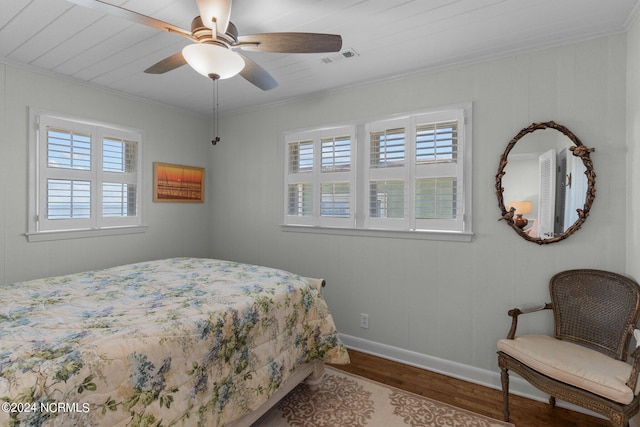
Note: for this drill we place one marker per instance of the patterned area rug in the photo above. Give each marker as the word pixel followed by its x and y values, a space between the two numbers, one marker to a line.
pixel 343 400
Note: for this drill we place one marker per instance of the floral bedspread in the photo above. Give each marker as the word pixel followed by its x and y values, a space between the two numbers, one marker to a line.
pixel 182 341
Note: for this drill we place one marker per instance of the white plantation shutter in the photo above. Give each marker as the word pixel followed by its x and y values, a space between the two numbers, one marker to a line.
pixel 319 176
pixel 439 172
pixel 300 200
pixel 300 156
pixel 119 155
pixel 335 199
pixel 119 179
pixel 436 198
pixel 87 176
pixel 411 174
pixel 336 153
pixel 68 149
pixel 300 180
pixel 387 150
pixel 66 170
pixel 68 199
pixel 386 199
pixel 437 142
pixel 118 199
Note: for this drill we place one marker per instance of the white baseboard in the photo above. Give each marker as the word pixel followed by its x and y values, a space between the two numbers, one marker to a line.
pixel 484 377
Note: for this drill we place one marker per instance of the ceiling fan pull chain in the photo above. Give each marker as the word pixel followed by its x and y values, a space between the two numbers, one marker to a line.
pixel 214 111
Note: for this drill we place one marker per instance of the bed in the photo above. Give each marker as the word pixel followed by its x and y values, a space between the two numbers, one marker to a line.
pixel 181 341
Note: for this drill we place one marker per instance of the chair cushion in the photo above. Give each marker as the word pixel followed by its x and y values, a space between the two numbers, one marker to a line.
pixel 572 364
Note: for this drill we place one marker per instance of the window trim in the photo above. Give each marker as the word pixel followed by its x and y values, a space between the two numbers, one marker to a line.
pixel 450 236
pixel 359 227
pixel 107 227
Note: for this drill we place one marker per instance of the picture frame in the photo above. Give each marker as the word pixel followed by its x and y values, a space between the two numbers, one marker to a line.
pixel 178 183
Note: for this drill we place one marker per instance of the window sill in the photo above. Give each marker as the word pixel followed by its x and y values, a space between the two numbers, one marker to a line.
pixel 44 236
pixel 451 236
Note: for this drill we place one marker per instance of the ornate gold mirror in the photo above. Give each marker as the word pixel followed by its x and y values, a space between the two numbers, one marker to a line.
pixel 547 191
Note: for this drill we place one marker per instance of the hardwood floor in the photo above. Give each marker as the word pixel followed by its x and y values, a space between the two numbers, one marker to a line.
pixel 479 399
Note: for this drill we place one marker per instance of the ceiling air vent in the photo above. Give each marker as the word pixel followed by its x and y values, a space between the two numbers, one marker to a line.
pixel 340 56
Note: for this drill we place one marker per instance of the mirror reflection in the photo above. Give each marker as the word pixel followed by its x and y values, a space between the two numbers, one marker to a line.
pixel 545 183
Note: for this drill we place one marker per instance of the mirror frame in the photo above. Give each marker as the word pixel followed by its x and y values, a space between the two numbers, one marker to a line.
pixel 578 150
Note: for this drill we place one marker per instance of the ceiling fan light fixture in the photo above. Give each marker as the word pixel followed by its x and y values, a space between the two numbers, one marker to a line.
pixel 215 11
pixel 209 59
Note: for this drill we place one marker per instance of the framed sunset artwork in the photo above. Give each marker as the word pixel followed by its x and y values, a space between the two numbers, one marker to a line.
pixel 177 183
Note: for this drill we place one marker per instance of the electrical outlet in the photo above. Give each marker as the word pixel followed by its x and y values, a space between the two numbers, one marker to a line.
pixel 364 320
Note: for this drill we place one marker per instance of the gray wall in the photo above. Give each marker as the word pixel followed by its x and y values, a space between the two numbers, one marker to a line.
pixel 169 136
pixel 633 151
pixel 443 299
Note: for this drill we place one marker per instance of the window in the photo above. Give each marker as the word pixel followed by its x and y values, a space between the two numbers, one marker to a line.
pixel 84 178
pixel 320 178
pixel 411 176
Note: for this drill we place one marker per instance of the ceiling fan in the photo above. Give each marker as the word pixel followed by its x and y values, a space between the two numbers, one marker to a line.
pixel 215 51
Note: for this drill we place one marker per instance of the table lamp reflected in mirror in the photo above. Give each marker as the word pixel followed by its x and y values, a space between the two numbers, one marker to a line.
pixel 522 208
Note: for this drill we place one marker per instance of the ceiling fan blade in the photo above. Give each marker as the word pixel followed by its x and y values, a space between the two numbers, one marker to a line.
pixel 291 42
pixel 167 64
pixel 112 9
pixel 257 75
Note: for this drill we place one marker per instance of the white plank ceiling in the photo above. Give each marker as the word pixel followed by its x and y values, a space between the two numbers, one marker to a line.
pixel 391 38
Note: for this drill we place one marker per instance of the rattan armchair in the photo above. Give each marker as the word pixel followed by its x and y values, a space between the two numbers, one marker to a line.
pixel 585 363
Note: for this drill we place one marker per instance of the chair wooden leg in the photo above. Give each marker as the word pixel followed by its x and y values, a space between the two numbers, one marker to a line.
pixel 504 379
